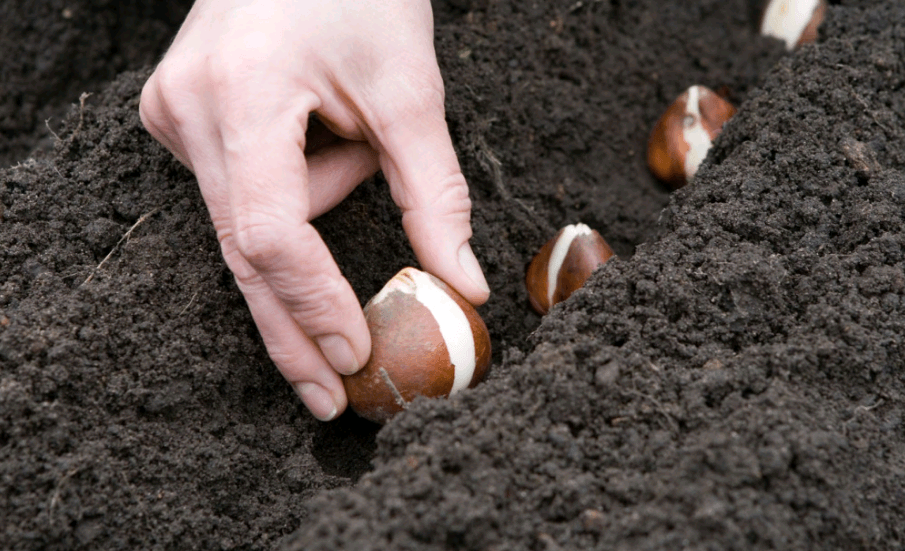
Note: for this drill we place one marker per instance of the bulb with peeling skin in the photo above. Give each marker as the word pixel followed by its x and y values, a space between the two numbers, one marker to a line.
pixel 682 137
pixel 426 340
pixel 795 22
pixel 564 264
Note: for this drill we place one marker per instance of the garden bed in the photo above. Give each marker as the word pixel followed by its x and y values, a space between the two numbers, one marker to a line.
pixel 734 380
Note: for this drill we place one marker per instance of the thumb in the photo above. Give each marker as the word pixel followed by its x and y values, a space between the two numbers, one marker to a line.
pixel 418 159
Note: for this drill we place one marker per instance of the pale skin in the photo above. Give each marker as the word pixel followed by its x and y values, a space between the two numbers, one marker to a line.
pixel 232 100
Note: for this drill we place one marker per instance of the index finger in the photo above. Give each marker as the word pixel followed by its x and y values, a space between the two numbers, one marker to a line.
pixel 420 163
pixel 267 185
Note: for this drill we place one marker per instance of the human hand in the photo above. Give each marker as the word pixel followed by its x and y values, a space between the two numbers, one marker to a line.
pixel 232 100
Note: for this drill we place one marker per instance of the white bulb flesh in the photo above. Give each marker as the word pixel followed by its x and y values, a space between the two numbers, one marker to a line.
pixel 787 19
pixel 694 133
pixel 452 321
pixel 558 255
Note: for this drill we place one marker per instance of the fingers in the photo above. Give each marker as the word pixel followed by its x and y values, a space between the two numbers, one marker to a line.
pixel 295 355
pixel 269 229
pixel 335 171
pixel 257 192
pixel 233 104
pixel 420 164
pixel 156 119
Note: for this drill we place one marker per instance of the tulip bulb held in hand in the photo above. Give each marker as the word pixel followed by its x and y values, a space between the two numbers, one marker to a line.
pixel 682 137
pixel 426 340
pixel 564 264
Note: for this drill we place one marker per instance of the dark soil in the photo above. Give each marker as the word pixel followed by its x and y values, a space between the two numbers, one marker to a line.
pixel 51 51
pixel 735 380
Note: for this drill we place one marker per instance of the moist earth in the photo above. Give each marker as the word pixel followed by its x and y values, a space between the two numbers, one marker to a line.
pixel 733 380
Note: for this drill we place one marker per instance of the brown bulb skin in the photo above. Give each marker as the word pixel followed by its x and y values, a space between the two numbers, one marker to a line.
pixel 565 262
pixel 809 34
pixel 410 356
pixel 683 135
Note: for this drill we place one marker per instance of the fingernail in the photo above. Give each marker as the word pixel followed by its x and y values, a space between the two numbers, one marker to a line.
pixel 317 399
pixel 339 353
pixel 469 264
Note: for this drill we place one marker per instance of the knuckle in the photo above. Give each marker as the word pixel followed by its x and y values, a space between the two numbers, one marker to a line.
pixel 244 273
pixel 447 195
pixel 282 356
pixel 259 238
pixel 149 109
pixel 165 93
pixel 170 78
pixel 227 70
pixel 319 303
pixel 452 194
pixel 242 61
pixel 316 296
